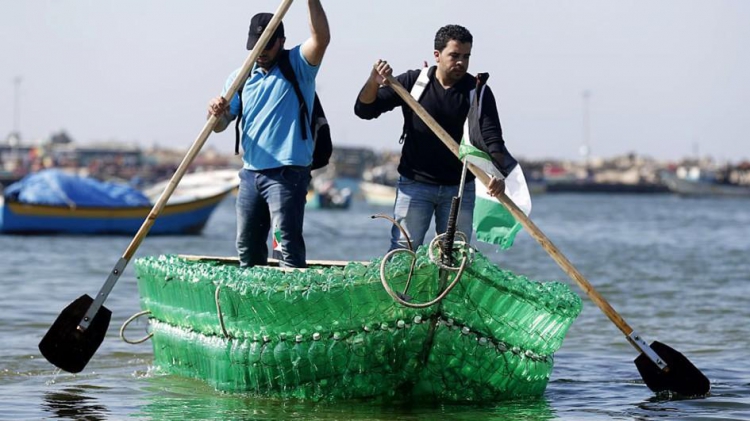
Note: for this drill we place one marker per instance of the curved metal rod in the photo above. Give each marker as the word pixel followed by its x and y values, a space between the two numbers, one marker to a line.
pixel 130 320
pixel 218 310
pixel 408 243
pixel 394 222
pixel 405 303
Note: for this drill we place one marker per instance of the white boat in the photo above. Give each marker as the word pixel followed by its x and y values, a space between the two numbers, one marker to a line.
pixel 196 185
pixel 378 194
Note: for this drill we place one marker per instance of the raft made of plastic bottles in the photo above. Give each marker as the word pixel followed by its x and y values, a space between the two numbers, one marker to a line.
pixel 333 332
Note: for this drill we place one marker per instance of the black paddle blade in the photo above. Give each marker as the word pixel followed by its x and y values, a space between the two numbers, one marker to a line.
pixel 67 347
pixel 682 377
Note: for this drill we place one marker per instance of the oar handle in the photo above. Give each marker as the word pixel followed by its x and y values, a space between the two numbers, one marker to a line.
pixel 207 129
pixel 517 213
pixel 181 169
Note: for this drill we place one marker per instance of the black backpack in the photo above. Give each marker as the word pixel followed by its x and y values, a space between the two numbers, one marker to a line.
pixel 321 132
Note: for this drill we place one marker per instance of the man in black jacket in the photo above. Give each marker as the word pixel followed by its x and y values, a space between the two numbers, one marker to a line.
pixel 429 172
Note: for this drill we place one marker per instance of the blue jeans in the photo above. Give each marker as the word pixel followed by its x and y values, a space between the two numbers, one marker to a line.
pixel 416 202
pixel 272 198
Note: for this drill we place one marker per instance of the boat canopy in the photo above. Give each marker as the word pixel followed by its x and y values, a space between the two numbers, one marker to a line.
pixel 55 187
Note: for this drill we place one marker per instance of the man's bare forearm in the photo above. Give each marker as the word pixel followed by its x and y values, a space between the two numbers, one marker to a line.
pixel 222 122
pixel 320 34
pixel 319 29
pixel 369 92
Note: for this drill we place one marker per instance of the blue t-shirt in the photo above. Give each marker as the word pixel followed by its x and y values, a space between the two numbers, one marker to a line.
pixel 271 136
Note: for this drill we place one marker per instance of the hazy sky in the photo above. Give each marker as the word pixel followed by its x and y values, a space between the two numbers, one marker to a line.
pixel 667 78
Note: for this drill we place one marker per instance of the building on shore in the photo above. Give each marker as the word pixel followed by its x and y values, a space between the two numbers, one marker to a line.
pixel 130 162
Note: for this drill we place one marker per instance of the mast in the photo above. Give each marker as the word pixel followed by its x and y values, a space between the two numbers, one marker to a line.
pixel 586 130
pixel 17 108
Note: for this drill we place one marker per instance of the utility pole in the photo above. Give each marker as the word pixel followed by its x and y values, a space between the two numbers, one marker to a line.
pixel 586 146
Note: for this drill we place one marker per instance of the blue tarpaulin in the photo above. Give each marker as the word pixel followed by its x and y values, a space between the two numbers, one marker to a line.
pixel 55 187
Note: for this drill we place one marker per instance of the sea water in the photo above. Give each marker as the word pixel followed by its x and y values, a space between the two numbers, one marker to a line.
pixel 676 269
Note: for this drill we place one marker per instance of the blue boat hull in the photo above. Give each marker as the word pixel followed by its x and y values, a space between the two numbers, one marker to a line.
pixel 175 219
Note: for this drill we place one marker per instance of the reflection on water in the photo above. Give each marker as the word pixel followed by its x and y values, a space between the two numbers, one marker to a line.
pixel 73 403
pixel 170 396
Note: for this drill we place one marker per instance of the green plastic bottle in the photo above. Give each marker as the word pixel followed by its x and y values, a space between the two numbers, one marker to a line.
pixel 359 351
pixel 468 343
pixel 268 364
pixel 398 336
pixel 385 349
pixel 301 359
pixel 255 378
pixel 318 357
pixel 485 356
pixel 283 356
pixel 239 378
pixel 361 361
pixel 414 339
pixel 338 355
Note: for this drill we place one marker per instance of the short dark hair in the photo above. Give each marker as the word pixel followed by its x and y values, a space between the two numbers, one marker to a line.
pixel 452 32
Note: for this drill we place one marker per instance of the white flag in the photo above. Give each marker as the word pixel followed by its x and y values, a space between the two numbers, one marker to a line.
pixel 493 223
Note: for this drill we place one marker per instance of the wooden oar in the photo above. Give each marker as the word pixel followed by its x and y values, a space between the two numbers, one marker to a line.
pixel 662 368
pixel 80 328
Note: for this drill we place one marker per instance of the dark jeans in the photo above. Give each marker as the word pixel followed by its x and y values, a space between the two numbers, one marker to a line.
pixel 417 202
pixel 272 198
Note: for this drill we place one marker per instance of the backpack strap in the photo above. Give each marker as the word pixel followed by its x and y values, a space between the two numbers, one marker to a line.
pixel 416 92
pixel 418 89
pixel 481 83
pixel 237 123
pixel 285 66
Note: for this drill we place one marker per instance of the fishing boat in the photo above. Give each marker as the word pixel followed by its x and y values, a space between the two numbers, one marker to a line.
pixel 324 193
pixel 340 200
pixel 696 182
pixel 377 194
pixel 54 202
pixel 340 330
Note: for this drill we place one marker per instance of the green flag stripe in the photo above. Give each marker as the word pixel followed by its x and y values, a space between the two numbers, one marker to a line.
pixel 496 225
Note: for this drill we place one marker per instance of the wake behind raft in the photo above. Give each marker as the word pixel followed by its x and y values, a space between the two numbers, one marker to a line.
pixel 333 332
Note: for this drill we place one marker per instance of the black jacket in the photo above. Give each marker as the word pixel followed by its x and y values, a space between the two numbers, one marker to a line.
pixel 424 157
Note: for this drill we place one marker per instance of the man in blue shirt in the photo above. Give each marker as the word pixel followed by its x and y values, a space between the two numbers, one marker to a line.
pixel 276 159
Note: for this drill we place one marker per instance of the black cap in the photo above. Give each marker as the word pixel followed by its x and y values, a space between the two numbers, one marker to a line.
pixel 257 25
